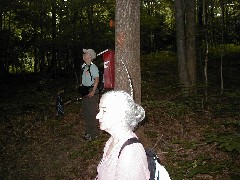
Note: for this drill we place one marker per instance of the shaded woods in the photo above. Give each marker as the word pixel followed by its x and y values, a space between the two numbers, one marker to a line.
pixel 194 127
pixel 193 138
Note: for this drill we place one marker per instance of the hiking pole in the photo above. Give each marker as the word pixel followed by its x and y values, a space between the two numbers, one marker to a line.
pixel 60 104
pixel 102 52
pixel 70 101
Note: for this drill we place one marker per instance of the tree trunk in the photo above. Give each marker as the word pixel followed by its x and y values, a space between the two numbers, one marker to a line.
pixel 41 53
pixel 90 26
pixel 200 38
pixel 1 20
pixel 41 49
pixel 222 45
pixel 36 60
pixel 2 62
pixel 191 40
pixel 127 56
pixel 54 34
pixel 181 43
pixel 77 55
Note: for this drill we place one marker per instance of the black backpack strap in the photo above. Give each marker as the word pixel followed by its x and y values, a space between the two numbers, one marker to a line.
pixel 89 67
pixel 151 157
pixel 82 69
pixel 128 142
pixel 90 71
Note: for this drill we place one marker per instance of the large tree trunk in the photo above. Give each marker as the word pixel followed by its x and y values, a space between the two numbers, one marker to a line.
pixel 191 40
pixel 185 12
pixel 127 49
pixel 200 36
pixel 181 43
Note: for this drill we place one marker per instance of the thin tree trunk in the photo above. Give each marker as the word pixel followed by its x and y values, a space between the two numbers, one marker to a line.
pixel 36 61
pixel 9 20
pixel 75 47
pixel 200 37
pixel 54 33
pixel 41 51
pixel 222 53
pixel 90 26
pixel 1 21
pixel 206 51
pixel 211 22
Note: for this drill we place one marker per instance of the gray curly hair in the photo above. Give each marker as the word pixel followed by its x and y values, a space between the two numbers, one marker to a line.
pixel 133 112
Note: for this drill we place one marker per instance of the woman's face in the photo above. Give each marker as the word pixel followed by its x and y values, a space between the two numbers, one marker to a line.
pixel 87 58
pixel 110 114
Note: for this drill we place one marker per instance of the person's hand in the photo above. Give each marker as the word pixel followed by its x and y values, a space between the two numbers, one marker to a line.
pixel 91 94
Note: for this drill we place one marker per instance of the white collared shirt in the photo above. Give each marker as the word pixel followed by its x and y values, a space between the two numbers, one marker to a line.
pixel 89 73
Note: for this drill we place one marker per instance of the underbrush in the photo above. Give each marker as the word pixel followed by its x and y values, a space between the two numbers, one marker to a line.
pixel 195 135
pixel 199 131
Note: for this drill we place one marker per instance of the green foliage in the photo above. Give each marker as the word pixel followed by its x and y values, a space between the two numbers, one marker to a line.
pixel 230 53
pixel 233 121
pixel 217 113
pixel 187 144
pixel 30 23
pixel 227 103
pixel 174 109
pixel 226 141
pixel 171 108
pixel 229 48
pixel 203 165
pixel 198 165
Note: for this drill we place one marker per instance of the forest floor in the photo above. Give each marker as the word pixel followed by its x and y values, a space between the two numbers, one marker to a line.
pixel 196 136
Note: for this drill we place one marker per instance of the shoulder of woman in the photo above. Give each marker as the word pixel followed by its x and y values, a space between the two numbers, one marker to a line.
pixel 135 150
pixel 94 67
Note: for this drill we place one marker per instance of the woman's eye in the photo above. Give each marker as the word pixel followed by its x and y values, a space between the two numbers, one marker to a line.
pixel 101 110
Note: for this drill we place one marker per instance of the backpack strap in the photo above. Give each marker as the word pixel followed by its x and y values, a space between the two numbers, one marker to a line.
pixel 90 71
pixel 128 142
pixel 89 67
pixel 152 158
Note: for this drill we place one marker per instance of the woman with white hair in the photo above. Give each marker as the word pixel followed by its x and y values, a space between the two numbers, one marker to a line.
pixel 119 115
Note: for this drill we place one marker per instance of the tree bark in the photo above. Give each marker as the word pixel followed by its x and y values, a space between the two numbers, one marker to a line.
pixel 54 34
pixel 36 59
pixel 181 43
pixel 90 26
pixel 191 40
pixel 41 50
pixel 127 47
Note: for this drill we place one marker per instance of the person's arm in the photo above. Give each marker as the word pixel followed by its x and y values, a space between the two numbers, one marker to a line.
pixel 95 75
pixel 95 84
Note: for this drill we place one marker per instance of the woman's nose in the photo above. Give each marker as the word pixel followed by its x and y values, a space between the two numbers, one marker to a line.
pixel 98 116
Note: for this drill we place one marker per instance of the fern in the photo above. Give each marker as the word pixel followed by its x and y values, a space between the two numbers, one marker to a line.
pixel 226 141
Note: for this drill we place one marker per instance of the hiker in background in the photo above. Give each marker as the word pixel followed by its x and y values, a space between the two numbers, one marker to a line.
pixel 119 116
pixel 90 80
